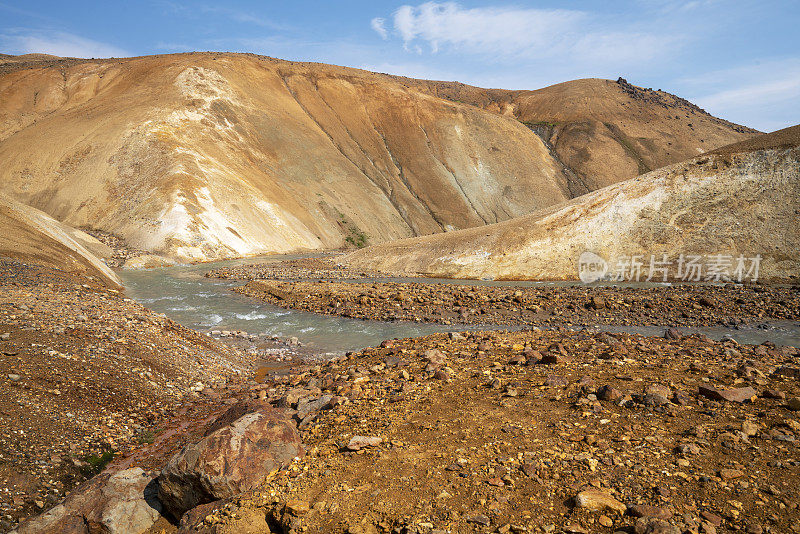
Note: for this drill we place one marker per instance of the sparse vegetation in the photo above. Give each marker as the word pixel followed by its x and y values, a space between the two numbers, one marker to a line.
pixel 147 437
pixel 357 238
pixel 95 463
pixel 540 124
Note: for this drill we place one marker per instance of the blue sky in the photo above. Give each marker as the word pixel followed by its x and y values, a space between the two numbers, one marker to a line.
pixel 739 60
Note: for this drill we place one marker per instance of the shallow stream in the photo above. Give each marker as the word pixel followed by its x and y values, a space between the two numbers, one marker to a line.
pixel 185 295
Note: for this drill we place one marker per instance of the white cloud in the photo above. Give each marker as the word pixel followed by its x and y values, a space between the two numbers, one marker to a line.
pixel 485 30
pixel 513 33
pixel 57 43
pixel 379 25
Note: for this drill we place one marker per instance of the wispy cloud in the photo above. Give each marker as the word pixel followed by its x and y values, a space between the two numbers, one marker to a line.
pixel 58 43
pixel 514 32
pixel 378 24
pixel 244 17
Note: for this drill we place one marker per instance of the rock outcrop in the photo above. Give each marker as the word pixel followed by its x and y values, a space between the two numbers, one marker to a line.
pixel 111 503
pixel 739 203
pixel 206 156
pixel 230 460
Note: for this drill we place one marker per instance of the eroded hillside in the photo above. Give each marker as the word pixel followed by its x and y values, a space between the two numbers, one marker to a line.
pixel 203 156
pixel 740 202
pixel 32 236
pixel 605 131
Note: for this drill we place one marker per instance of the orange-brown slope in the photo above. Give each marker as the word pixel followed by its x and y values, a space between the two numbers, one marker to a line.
pixel 202 156
pixel 605 131
pixel 743 201
pixel 31 236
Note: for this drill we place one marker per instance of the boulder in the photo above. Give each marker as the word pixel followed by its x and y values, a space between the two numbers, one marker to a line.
pixel 434 356
pixel 123 502
pixel 229 461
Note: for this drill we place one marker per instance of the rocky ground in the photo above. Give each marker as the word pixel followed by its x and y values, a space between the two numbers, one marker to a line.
pixel 527 431
pixel 577 305
pixel 530 432
pixel 84 373
pixel 122 252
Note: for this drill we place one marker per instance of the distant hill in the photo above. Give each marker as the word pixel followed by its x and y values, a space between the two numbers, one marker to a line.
pixel 741 200
pixel 32 236
pixel 203 156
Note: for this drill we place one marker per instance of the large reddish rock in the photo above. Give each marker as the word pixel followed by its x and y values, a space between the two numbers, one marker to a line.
pixel 111 503
pixel 228 461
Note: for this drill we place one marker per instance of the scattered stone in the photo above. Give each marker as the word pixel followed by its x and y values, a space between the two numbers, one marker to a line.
pixel 599 501
pixel 744 394
pixel 357 443
pixel 646 525
pixel 297 507
pixel 479 519
pixel 645 510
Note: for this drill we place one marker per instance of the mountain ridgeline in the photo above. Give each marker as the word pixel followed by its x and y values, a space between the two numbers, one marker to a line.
pixel 206 156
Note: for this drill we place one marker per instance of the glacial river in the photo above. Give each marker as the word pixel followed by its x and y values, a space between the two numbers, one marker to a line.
pixel 189 298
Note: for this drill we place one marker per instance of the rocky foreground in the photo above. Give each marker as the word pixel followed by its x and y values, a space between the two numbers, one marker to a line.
pixel 537 432
pixel 484 432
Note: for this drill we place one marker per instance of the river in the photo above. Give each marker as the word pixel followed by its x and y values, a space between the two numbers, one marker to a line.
pixel 185 295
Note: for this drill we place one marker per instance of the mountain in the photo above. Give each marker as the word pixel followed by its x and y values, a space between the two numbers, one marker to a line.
pixel 204 156
pixel 604 131
pixel 740 200
pixel 32 236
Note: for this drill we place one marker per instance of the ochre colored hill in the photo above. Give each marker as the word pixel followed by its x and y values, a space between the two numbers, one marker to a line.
pixel 605 131
pixel 32 236
pixel 742 201
pixel 205 156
